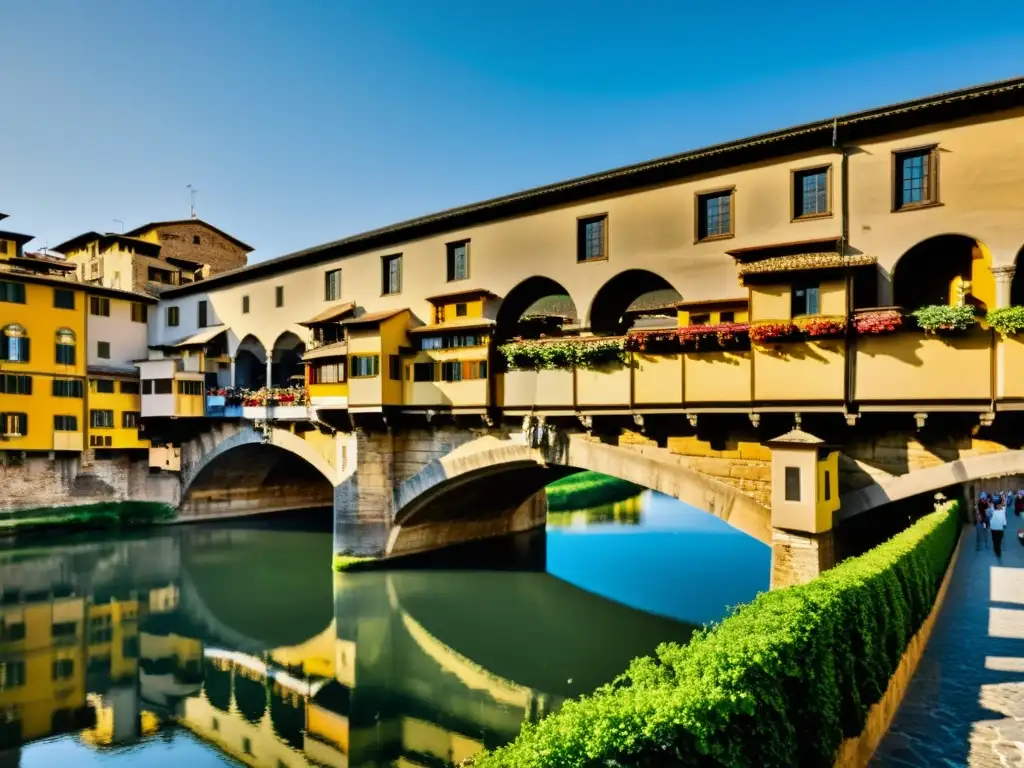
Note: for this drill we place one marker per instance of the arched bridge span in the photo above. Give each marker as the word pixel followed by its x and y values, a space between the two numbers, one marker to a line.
pixel 490 487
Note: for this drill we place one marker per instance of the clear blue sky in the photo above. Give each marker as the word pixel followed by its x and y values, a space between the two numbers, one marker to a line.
pixel 301 122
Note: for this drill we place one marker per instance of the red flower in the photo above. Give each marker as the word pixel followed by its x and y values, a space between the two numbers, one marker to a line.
pixel 878 322
pixel 762 333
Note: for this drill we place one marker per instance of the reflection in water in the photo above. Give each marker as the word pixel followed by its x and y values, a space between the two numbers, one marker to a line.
pixel 229 644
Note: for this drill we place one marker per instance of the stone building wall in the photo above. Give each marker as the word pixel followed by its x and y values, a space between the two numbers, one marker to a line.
pixel 39 481
pixel 178 240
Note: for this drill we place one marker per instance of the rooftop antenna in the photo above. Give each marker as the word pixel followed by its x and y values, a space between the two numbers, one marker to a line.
pixel 118 221
pixel 192 200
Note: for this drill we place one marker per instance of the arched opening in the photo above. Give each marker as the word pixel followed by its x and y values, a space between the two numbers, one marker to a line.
pixel 287 360
pixel 65 346
pixel 14 344
pixel 250 364
pixel 1017 285
pixel 287 715
pixel 217 684
pixel 259 477
pixel 250 693
pixel 631 298
pixel 538 306
pixel 936 270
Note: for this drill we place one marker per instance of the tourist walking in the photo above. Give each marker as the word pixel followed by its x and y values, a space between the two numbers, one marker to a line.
pixel 1018 504
pixel 981 522
pixel 997 523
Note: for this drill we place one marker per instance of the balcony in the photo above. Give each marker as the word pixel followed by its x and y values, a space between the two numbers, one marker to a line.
pixel 262 405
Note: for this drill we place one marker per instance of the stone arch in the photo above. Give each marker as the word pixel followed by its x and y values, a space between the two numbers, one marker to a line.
pixel 627 295
pixel 928 272
pixel 451 491
pixel 534 296
pixel 217 684
pixel 250 363
pixel 1017 281
pixel 250 689
pixel 286 356
pixel 278 438
pixel 929 480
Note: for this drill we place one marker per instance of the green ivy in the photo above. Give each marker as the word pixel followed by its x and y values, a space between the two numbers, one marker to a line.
pixel 1007 320
pixel 944 318
pixel 563 354
pixel 779 683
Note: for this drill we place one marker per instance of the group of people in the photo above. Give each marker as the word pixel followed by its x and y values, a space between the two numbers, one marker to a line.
pixel 991 517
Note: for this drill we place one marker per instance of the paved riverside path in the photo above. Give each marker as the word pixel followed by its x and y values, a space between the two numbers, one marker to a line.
pixel 965 704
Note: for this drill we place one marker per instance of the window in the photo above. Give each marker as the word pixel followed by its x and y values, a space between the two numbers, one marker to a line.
pixel 100 441
pixel 458 261
pixel 279 296
pixel 147 386
pixel 172 317
pixel 246 745
pixel 431 342
pixel 714 215
pixel 332 285
pixel 327 373
pixel 104 386
pixel 14 424
pixel 65 423
pixel 424 372
pixel 792 483
pixel 201 318
pixel 13 293
pixel 68 388
pixel 63 299
pixel 103 350
pixel 130 420
pixel 391 274
pixel 394 367
pixel 811 193
pixel 14 344
pixel 12 674
pixel 805 299
pixel 451 371
pixel 700 319
pixel 15 385
pixel 365 365
pixel 916 178
pixel 101 419
pixel 63 668
pixel 726 317
pixel 245 305
pixel 99 306
pixel 828 485
pixel 591 240
pixel 129 387
pixel 461 310
pixel 140 312
pixel 190 387
pixel 163 386
pixel 64 629
pixel 3 246
pixel 195 240
pixel 65 346
pixel 10 633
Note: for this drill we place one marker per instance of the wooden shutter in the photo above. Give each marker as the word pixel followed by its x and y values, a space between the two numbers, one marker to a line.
pixel 28 354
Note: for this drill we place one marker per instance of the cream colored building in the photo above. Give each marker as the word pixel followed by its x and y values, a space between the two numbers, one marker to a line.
pixel 920 197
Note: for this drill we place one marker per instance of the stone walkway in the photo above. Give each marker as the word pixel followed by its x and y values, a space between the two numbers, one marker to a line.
pixel 965 705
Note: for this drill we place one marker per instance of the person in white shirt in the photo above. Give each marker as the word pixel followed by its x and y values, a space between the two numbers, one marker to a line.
pixel 998 526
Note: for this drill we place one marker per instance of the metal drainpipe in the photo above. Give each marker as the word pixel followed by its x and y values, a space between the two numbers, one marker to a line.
pixel 844 166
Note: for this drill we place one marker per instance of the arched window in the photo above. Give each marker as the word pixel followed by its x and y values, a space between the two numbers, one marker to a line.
pixel 66 346
pixel 14 344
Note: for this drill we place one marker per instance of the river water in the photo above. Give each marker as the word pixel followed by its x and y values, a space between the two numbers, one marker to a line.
pixel 233 644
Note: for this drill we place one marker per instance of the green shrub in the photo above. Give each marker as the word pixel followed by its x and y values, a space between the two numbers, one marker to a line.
pixel 588 352
pixel 1007 320
pixel 944 318
pixel 106 514
pixel 588 489
pixel 781 682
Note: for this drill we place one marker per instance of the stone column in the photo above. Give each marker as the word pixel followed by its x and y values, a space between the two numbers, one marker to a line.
pixel 233 372
pixel 270 366
pixel 364 501
pixel 800 557
pixel 1004 280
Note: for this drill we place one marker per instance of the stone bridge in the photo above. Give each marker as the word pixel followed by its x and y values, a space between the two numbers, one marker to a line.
pixel 406 488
